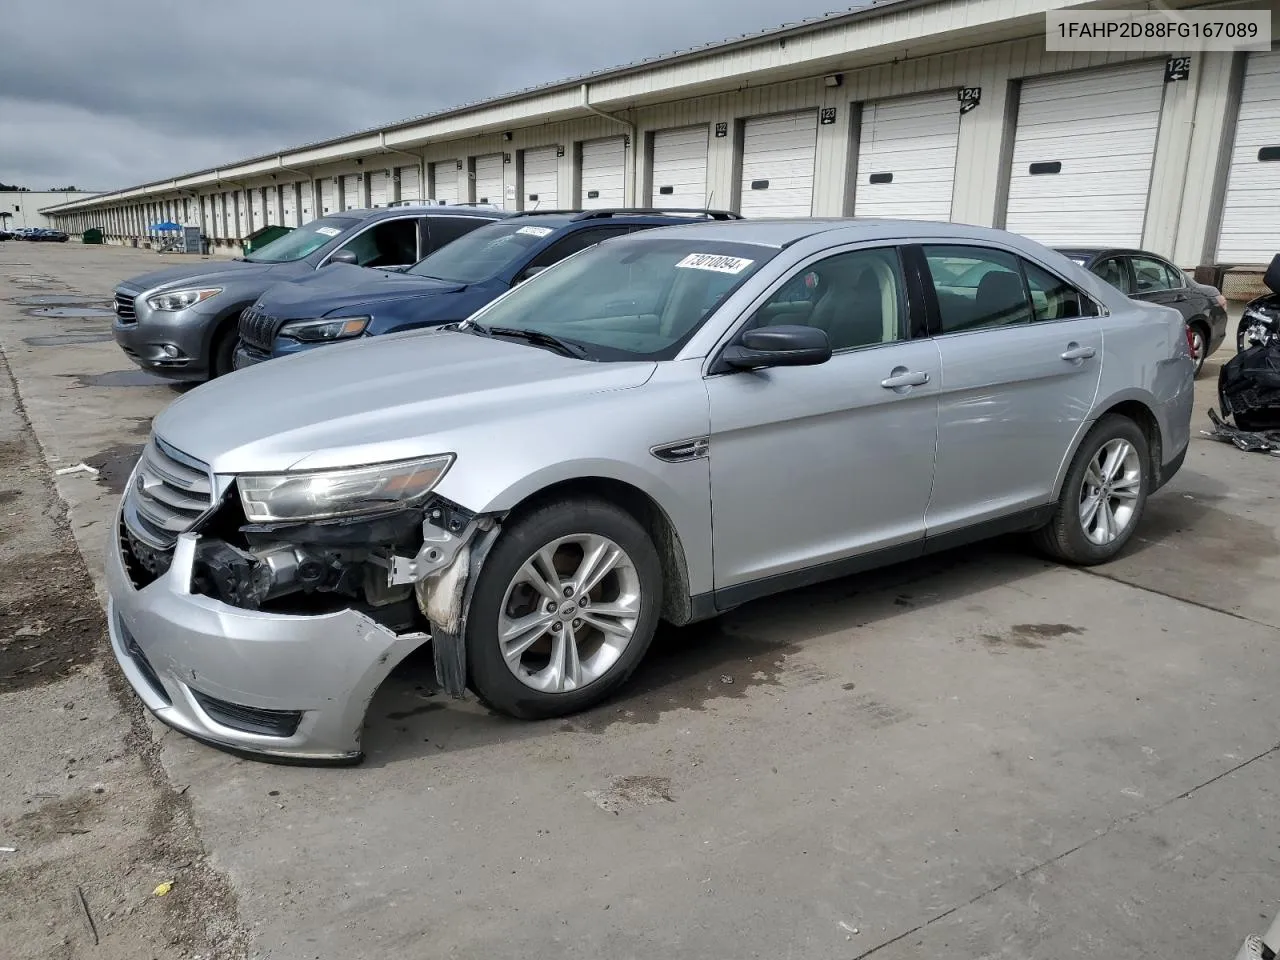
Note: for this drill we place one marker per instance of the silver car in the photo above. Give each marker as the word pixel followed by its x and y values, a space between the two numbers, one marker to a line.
pixel 662 427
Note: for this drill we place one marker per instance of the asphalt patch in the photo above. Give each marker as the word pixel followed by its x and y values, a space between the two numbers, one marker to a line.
pixel 66 339
pixel 57 300
pixel 59 313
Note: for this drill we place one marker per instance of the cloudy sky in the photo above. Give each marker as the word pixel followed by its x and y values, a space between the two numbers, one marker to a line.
pixel 110 94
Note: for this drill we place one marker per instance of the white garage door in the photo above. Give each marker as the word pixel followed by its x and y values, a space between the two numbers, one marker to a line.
pixel 259 210
pixel 604 165
pixel 328 197
pixel 489 179
pixel 541 179
pixel 409 189
pixel 680 168
pixel 377 188
pixel 1251 215
pixel 907 158
pixel 1082 156
pixel 289 201
pixel 307 204
pixel 272 200
pixel 351 191
pixel 777 165
pixel 444 180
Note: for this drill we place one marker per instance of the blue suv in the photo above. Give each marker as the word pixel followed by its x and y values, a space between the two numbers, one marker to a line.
pixel 343 302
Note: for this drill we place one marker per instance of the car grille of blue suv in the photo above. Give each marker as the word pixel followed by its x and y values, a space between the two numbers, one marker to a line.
pixel 257 329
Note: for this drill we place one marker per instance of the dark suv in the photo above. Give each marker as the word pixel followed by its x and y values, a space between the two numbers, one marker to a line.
pixel 180 323
pixel 445 287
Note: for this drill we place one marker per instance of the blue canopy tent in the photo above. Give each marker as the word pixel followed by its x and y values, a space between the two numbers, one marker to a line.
pixel 167 226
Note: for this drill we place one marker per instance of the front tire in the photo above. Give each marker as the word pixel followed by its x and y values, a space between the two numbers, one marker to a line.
pixel 222 357
pixel 564 609
pixel 1103 496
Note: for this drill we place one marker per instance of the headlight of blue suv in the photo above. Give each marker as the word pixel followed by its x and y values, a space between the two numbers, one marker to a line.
pixel 324 330
pixel 181 299
pixel 287 497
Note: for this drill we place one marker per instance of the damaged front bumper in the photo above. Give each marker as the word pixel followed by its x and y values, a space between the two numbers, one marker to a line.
pixel 291 687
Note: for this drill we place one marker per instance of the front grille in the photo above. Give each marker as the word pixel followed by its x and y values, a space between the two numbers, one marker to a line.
pixel 168 493
pixel 124 309
pixel 267 723
pixel 141 662
pixel 257 329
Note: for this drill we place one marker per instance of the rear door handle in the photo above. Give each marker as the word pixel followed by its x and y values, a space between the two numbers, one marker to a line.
pixel 1076 352
pixel 902 377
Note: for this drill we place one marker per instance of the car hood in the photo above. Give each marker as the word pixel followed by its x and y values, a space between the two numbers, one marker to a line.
pixel 379 399
pixel 342 285
pixel 206 271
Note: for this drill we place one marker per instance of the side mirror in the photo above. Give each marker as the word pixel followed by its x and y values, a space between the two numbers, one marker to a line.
pixel 781 346
pixel 529 274
pixel 344 256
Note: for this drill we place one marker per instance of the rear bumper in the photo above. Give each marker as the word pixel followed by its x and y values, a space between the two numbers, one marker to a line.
pixel 288 688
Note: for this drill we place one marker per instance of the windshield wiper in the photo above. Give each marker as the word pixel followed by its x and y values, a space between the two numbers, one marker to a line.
pixel 565 348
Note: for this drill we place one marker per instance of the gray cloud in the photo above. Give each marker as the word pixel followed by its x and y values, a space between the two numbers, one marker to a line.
pixel 106 95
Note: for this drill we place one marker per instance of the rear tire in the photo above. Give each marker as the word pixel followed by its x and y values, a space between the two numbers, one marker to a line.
pixel 564 609
pixel 1103 497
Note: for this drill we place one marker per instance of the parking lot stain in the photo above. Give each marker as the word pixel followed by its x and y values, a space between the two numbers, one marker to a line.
pixel 415 711
pixel 66 339
pixel 1029 636
pixel 118 378
pixel 689 668
pixel 637 791
pixel 114 464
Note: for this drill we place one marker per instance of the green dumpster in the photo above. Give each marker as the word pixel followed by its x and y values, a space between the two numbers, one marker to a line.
pixel 260 238
pixel 92 235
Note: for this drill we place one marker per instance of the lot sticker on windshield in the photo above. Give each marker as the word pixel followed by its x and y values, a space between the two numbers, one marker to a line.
pixel 534 231
pixel 716 262
pixel 328 231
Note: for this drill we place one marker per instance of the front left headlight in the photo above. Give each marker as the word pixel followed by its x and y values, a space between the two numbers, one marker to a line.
pixel 181 299
pixel 325 330
pixel 324 494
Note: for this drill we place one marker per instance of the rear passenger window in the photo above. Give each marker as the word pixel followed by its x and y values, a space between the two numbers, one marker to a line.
pixel 977 288
pixel 444 230
pixel 1052 298
pixel 1114 273
pixel 1153 276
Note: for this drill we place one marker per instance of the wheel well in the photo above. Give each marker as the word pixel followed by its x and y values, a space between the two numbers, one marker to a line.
pixel 676 607
pixel 1141 414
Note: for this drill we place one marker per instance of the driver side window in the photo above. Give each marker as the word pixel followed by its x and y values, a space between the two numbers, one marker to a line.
pixel 858 299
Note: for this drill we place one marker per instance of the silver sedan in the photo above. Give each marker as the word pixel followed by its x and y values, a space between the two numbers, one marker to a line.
pixel 662 427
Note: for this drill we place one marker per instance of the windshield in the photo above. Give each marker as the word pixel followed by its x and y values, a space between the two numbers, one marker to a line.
pixel 297 243
pixel 633 298
pixel 482 253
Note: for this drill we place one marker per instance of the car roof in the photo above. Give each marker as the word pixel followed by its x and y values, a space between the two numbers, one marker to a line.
pixel 782 233
pixel 1094 252
pixel 436 210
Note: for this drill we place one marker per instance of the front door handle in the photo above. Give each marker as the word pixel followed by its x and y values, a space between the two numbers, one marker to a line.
pixel 902 377
pixel 1076 352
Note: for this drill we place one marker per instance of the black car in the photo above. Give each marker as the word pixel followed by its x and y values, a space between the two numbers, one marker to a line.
pixel 1146 276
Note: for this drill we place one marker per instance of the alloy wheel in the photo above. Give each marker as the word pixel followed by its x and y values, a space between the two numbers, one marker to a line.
pixel 1109 494
pixel 569 613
